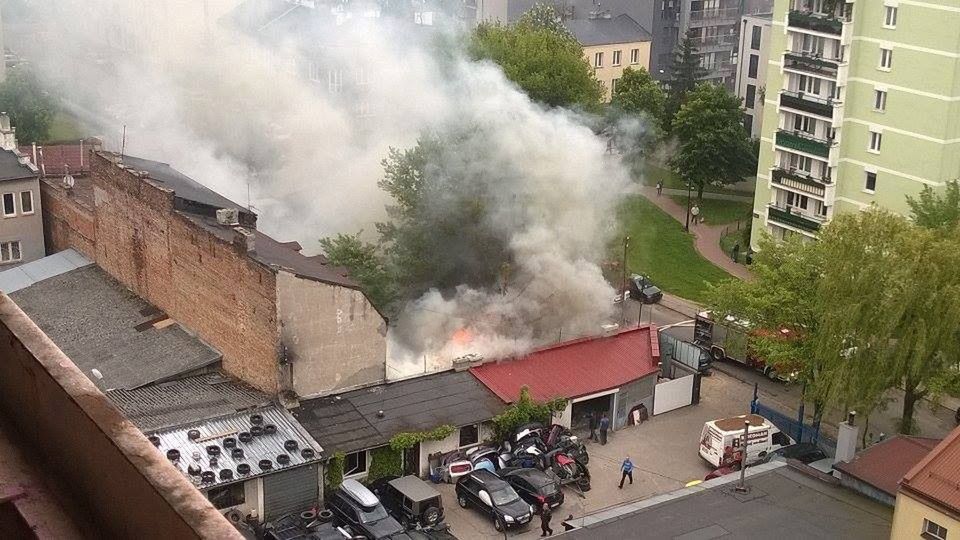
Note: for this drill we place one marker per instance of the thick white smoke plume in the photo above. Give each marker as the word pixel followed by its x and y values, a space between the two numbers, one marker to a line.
pixel 304 142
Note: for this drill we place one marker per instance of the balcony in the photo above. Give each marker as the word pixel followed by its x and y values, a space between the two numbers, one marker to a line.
pixel 800 181
pixel 804 142
pixel 808 103
pixel 816 22
pixel 710 43
pixel 714 17
pixel 786 216
pixel 811 63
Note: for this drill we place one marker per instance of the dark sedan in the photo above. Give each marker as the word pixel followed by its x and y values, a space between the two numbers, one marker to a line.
pixel 534 486
pixel 643 290
pixel 491 494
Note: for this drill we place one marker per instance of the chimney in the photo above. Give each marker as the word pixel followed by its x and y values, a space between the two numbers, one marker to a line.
pixel 847 434
pixel 228 216
pixel 243 240
pixel 8 136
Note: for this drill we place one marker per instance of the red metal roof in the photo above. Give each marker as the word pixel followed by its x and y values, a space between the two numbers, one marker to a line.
pixel 575 368
pixel 937 477
pixel 884 464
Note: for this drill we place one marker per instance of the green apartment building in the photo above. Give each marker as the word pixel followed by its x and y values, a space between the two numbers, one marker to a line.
pixel 862 108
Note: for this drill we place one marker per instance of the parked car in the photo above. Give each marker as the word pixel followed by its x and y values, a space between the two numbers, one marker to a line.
pixel 805 453
pixel 534 486
pixel 494 496
pixel 643 290
pixel 357 508
pixel 562 438
pixel 721 444
pixel 411 501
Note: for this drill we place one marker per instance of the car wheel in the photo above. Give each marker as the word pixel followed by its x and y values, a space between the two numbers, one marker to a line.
pixel 430 516
pixel 497 524
pixel 462 501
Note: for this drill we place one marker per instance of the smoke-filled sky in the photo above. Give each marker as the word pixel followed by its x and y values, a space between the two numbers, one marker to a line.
pixel 237 116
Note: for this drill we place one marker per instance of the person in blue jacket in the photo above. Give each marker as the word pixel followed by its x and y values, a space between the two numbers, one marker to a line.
pixel 627 469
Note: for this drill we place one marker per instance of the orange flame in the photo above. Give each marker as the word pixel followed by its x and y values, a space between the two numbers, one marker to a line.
pixel 462 336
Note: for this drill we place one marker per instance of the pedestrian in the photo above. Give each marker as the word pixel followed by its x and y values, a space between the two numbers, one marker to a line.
pixel 545 515
pixel 627 469
pixel 659 187
pixel 604 426
pixel 593 425
pixel 736 252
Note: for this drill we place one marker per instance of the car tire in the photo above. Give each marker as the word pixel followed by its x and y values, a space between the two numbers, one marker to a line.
pixel 430 516
pixel 462 501
pixel 325 516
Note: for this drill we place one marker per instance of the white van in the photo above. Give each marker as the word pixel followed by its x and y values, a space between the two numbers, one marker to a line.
pixel 720 440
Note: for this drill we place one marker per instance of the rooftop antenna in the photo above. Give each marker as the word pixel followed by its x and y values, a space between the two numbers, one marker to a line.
pixel 123 141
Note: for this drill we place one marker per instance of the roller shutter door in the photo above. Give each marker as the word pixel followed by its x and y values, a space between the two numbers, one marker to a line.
pixel 290 491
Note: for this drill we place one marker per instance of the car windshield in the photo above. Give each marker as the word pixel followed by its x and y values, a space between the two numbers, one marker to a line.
pixel 372 514
pixel 503 496
pixel 547 487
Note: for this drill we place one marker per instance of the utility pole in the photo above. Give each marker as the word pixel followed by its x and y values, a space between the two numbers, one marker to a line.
pixel 686 227
pixel 741 487
pixel 623 284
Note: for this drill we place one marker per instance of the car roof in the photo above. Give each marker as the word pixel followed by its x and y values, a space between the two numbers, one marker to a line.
pixel 414 488
pixel 359 493
pixel 488 478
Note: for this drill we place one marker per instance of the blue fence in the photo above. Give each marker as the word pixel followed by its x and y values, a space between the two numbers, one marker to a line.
pixel 792 426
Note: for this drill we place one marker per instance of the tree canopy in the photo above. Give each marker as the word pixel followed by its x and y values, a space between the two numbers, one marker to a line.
pixel 715 147
pixel 638 93
pixel 541 57
pixel 366 266
pixel 30 108
pixel 935 210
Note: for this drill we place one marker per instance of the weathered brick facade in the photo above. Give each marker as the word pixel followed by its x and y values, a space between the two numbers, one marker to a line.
pixel 67 220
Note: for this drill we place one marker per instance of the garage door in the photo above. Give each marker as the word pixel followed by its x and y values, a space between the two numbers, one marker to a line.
pixel 290 491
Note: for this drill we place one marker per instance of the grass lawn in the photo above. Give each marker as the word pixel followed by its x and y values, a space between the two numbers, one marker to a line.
pixel 64 127
pixel 661 249
pixel 649 173
pixel 718 212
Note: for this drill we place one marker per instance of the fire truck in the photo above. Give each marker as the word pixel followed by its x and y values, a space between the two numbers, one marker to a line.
pixel 729 340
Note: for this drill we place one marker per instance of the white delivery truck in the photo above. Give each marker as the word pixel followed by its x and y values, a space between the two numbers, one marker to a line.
pixel 721 441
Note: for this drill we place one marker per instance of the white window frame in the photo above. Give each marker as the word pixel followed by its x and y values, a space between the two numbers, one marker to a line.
pixel 3 205
pixel 890 14
pixel 876 141
pixel 933 534
pixel 479 439
pixel 32 207
pixel 879 99
pixel 6 252
pixel 866 176
pixel 615 61
pixel 366 466
pixel 598 59
pixel 335 80
pixel 886 59
pixel 634 56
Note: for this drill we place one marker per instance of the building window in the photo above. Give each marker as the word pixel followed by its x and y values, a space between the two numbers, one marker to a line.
pixel 809 85
pixel 754 65
pixel 9 205
pixel 886 58
pixel 876 138
pixel 820 208
pixel 879 100
pixel 933 531
pixel 634 56
pixel 335 81
pixel 10 252
pixel 616 58
pixel 799 201
pixel 355 463
pixel 871 183
pixel 613 85
pixel 748 124
pixel 598 60
pixel 469 435
pixel 804 124
pixel 227 496
pixel 890 17
pixel 801 163
pixel 751 96
pixel 755 38
pixel 26 202
pixel 313 72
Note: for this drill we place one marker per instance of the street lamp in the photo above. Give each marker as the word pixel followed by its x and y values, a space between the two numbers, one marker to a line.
pixel 689 188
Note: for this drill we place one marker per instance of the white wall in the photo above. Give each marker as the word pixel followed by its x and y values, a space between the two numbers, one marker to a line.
pixel 253 499
pixel 450 444
pixel 673 394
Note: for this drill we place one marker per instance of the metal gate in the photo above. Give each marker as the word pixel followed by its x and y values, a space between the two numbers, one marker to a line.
pixel 290 491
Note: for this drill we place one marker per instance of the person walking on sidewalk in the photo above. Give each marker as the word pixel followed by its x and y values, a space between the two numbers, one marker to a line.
pixel 627 469
pixel 592 418
pixel 604 426
pixel 545 515
pixel 659 187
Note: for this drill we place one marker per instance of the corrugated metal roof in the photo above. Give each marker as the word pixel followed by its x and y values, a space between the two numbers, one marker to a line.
pixel 937 477
pixel 884 464
pixel 27 274
pixel 575 368
pixel 213 434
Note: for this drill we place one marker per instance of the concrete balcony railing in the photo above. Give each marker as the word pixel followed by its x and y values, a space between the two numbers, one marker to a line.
pixel 808 103
pixel 811 63
pixel 815 21
pixel 714 42
pixel 804 142
pixel 793 218
pixel 800 181
pixel 713 17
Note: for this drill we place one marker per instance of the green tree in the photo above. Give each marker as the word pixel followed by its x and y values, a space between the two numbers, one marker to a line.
pixel 524 411
pixel 934 210
pixel 366 266
pixel 685 74
pixel 714 145
pixel 30 108
pixel 545 17
pixel 545 63
pixel 638 93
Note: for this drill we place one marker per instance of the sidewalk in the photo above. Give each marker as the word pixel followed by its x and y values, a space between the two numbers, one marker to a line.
pixel 706 237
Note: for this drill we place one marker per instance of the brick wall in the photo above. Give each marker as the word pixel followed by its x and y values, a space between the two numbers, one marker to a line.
pixel 200 280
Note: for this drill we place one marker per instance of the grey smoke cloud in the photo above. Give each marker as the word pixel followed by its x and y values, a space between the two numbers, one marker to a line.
pixel 234 115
